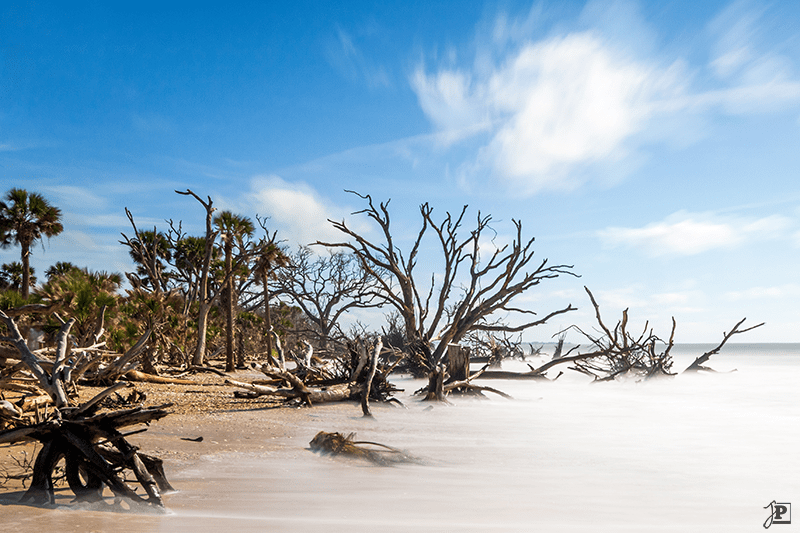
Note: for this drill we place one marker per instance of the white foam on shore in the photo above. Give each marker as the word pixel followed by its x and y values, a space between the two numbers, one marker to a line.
pixel 695 452
pixel 702 452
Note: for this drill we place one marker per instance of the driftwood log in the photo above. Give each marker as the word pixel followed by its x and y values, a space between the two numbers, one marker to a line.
pixel 360 379
pixel 346 445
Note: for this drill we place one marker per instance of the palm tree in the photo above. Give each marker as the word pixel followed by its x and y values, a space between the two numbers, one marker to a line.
pixel 24 219
pixel 271 256
pixel 61 268
pixel 85 296
pixel 11 276
pixel 233 229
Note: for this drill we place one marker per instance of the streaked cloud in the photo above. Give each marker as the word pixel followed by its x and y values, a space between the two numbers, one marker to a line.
pixel 77 197
pixel 582 104
pixel 693 233
pixel 296 210
pixel 348 59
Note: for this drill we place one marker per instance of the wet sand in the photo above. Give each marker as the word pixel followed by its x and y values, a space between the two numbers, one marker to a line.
pixel 229 427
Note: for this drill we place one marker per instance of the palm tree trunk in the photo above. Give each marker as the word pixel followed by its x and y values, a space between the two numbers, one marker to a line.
pixel 202 330
pixel 230 364
pixel 26 271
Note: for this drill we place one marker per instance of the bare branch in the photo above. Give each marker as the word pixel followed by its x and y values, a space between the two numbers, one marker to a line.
pixel 698 363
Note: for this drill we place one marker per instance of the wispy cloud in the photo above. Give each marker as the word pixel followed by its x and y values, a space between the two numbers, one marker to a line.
pixel 693 233
pixel 543 111
pixel 347 58
pixel 294 209
pixel 787 290
pixel 72 195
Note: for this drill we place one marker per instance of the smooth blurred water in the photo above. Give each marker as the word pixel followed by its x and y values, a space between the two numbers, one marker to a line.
pixel 699 452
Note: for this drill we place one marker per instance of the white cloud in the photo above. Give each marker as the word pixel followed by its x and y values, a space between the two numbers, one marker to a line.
pixel 76 197
pixel 787 290
pixel 295 209
pixel 568 101
pixel 692 233
pixel 451 102
pixel 544 113
pixel 555 104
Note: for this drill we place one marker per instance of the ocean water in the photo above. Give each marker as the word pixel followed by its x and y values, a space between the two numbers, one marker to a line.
pixel 697 452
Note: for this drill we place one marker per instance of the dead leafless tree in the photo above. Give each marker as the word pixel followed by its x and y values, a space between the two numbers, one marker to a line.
pixel 472 289
pixel 617 351
pixel 205 297
pixel 326 287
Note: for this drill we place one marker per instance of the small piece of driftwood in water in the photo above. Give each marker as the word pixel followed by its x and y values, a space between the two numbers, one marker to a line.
pixel 338 444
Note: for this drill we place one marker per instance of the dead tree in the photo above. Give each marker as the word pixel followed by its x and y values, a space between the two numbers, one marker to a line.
pixel 148 249
pixel 454 378
pixel 698 364
pixel 51 382
pixel 618 352
pixel 326 287
pixel 540 372
pixel 496 347
pixel 94 451
pixel 205 297
pixel 471 288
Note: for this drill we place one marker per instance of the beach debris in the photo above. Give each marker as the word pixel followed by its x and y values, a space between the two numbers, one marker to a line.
pixel 617 352
pixel 454 377
pixel 338 444
pixel 94 451
pixel 698 364
pixel 191 439
pixel 358 376
pixel 95 454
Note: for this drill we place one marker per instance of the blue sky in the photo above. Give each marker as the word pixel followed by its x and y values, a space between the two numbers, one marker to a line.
pixel 655 146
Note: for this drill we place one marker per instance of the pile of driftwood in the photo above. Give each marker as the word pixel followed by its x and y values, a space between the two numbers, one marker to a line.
pixel 360 375
pixel 617 352
pixel 23 367
pixel 94 450
pixel 345 445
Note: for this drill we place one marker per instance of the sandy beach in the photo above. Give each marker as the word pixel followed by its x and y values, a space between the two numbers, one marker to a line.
pixel 205 421
pixel 696 452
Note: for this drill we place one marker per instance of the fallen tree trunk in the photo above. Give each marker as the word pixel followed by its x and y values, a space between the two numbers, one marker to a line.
pixel 304 384
pixel 334 393
pixel 135 375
